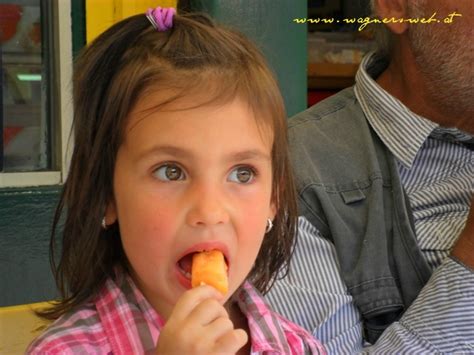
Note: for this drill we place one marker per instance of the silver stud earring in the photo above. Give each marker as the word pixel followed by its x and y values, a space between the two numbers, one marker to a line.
pixel 104 224
pixel 269 225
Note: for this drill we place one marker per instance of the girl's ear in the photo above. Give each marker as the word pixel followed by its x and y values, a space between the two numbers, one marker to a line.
pixel 397 9
pixel 273 211
pixel 110 213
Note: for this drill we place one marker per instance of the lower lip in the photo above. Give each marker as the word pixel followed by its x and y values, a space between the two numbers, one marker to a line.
pixel 183 280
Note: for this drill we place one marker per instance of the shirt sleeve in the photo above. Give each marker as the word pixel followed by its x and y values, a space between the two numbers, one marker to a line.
pixel 314 296
pixel 74 333
pixel 440 320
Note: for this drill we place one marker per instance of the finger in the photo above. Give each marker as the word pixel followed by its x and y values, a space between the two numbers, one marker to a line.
pixel 206 312
pixel 219 327
pixel 191 298
pixel 231 342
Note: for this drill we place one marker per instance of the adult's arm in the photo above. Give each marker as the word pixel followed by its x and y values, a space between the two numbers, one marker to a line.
pixel 441 320
pixel 314 295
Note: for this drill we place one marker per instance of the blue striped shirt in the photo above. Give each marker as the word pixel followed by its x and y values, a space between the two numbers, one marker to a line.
pixel 437 172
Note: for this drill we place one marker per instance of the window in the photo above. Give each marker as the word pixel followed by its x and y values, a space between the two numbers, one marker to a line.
pixel 35 108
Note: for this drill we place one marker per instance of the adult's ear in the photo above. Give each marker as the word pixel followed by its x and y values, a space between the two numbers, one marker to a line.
pixel 393 10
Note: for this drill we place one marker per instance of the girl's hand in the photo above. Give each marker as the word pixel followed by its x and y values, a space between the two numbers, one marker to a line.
pixel 199 324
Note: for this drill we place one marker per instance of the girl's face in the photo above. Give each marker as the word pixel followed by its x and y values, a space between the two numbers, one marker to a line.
pixel 190 180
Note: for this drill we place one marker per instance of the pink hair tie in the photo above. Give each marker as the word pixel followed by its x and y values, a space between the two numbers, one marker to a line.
pixel 161 18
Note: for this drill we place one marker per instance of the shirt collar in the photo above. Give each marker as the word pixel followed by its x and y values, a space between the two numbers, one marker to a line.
pixel 401 130
pixel 266 332
pixel 131 323
pixel 453 135
pixel 128 326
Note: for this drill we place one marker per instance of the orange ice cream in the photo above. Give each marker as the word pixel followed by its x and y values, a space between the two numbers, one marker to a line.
pixel 210 268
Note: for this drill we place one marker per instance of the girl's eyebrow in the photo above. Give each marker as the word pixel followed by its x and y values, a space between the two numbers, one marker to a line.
pixel 249 154
pixel 165 149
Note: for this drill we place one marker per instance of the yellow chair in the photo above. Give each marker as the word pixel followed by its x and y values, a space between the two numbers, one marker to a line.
pixel 19 326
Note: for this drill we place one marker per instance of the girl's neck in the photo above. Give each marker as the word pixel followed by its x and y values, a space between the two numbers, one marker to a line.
pixel 240 322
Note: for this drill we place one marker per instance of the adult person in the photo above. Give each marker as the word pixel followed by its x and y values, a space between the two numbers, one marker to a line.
pixel 385 174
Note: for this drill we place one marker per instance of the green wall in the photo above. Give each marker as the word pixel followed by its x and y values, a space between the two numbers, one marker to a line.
pixel 269 23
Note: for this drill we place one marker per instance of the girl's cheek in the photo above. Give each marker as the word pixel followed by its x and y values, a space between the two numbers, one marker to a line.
pixel 162 221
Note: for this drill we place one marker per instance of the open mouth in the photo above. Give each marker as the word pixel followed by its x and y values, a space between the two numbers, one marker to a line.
pixel 185 264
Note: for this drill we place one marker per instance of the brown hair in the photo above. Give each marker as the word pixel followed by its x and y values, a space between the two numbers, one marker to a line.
pixel 110 75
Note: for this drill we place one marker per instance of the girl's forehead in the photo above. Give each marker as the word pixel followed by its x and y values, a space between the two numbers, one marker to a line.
pixel 154 103
pixel 155 117
pixel 203 134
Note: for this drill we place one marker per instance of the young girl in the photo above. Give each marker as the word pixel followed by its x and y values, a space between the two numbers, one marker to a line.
pixel 180 147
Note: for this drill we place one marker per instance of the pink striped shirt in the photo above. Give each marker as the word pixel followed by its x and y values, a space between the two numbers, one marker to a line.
pixel 121 321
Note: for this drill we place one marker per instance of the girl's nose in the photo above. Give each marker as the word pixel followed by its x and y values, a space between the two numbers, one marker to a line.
pixel 208 207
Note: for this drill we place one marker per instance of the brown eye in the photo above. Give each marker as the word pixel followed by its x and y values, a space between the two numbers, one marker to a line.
pixel 242 175
pixel 169 172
